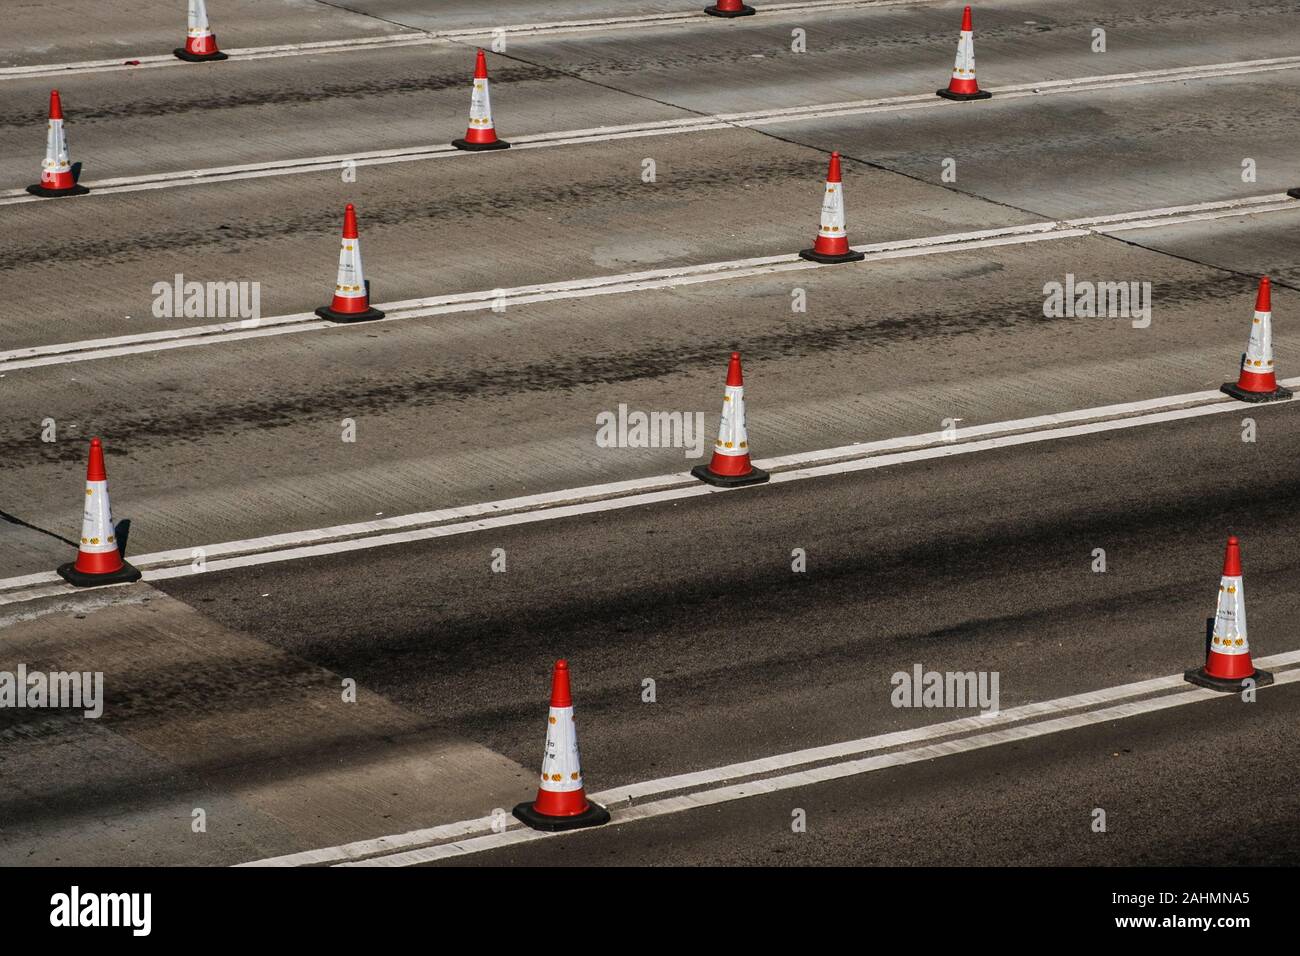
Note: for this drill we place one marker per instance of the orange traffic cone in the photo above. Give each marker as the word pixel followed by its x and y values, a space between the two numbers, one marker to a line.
pixel 962 86
pixel 832 242
pixel 1227 656
pixel 1257 381
pixel 561 803
pixel 99 558
pixel 351 302
pixel 481 133
pixel 57 176
pixel 730 467
pixel 730 8
pixel 200 41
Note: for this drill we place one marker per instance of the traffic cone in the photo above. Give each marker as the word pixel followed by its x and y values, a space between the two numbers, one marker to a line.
pixel 730 467
pixel 57 177
pixel 1257 381
pixel 200 41
pixel 832 243
pixel 561 803
pixel 730 8
pixel 962 86
pixel 481 134
pixel 351 301
pixel 99 557
pixel 1227 656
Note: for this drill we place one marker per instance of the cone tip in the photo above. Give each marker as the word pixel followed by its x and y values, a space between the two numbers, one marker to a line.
pixel 734 374
pixel 1232 559
pixel 965 20
pixel 1263 299
pixel 560 694
pixel 56 105
pixel 480 66
pixel 95 462
pixel 834 175
pixel 350 222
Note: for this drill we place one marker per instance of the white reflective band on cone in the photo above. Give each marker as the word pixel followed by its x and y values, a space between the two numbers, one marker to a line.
pixel 480 106
pixel 97 534
pixel 561 767
pixel 1229 635
pixel 1259 350
pixel 832 225
pixel 198 19
pixel 964 67
pixel 57 159
pixel 732 438
pixel 351 281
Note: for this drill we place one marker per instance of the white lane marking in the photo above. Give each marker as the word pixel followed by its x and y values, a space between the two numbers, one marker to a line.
pixel 145 342
pixel 426 37
pixel 277 548
pixel 689 124
pixel 67 353
pixel 351 851
pixel 1284 205
pixel 489 296
pixel 166 343
pixel 624 794
pixel 1210 206
pixel 816 775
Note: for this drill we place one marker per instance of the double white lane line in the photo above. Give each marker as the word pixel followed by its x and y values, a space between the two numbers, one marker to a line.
pixel 773 774
pixel 157 341
pixel 690 124
pixel 617 496
pixel 427 37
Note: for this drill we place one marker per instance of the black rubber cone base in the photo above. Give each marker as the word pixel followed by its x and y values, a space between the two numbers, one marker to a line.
pixel 593 816
pixel 744 11
pixel 1294 193
pixel 755 476
pixel 123 575
pixel 325 312
pixel 479 147
pixel 812 255
pixel 1202 679
pixel 44 193
pixel 1280 395
pixel 978 95
pixel 182 54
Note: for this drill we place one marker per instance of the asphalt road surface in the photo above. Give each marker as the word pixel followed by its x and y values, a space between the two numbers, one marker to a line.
pixel 1045 499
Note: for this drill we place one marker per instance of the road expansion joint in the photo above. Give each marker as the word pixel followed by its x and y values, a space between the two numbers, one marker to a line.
pixel 1204 263
pixel 14 519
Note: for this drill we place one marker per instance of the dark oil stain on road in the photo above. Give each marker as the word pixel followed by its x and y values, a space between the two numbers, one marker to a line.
pixel 279 95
